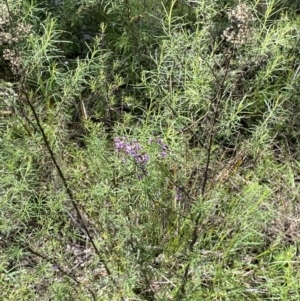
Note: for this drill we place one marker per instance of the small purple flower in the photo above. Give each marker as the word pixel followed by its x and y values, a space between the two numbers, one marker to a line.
pixel 138 159
pixel 178 194
pixel 164 148
pixel 128 149
pixel 119 143
pixel 136 146
pixel 146 158
pixel 134 150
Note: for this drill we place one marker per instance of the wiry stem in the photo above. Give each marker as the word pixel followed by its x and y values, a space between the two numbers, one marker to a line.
pixel 53 158
pixel 214 106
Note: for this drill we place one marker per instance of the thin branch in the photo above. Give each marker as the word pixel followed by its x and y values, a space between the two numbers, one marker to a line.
pixel 62 176
pixel 215 111
pixel 40 129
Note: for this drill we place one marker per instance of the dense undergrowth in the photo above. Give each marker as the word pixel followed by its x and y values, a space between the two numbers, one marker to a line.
pixel 149 150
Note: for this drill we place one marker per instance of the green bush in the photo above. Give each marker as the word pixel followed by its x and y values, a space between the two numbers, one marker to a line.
pixel 149 150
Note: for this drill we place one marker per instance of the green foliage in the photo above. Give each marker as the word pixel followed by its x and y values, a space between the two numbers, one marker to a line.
pixel 149 150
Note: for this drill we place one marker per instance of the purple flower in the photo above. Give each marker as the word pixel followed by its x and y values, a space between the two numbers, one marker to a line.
pixel 134 150
pixel 119 143
pixel 164 148
pixel 146 158
pixel 138 159
pixel 178 194
pixel 136 146
pixel 128 149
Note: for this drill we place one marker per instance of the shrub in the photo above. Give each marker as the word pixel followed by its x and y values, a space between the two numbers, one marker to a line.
pixel 149 150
